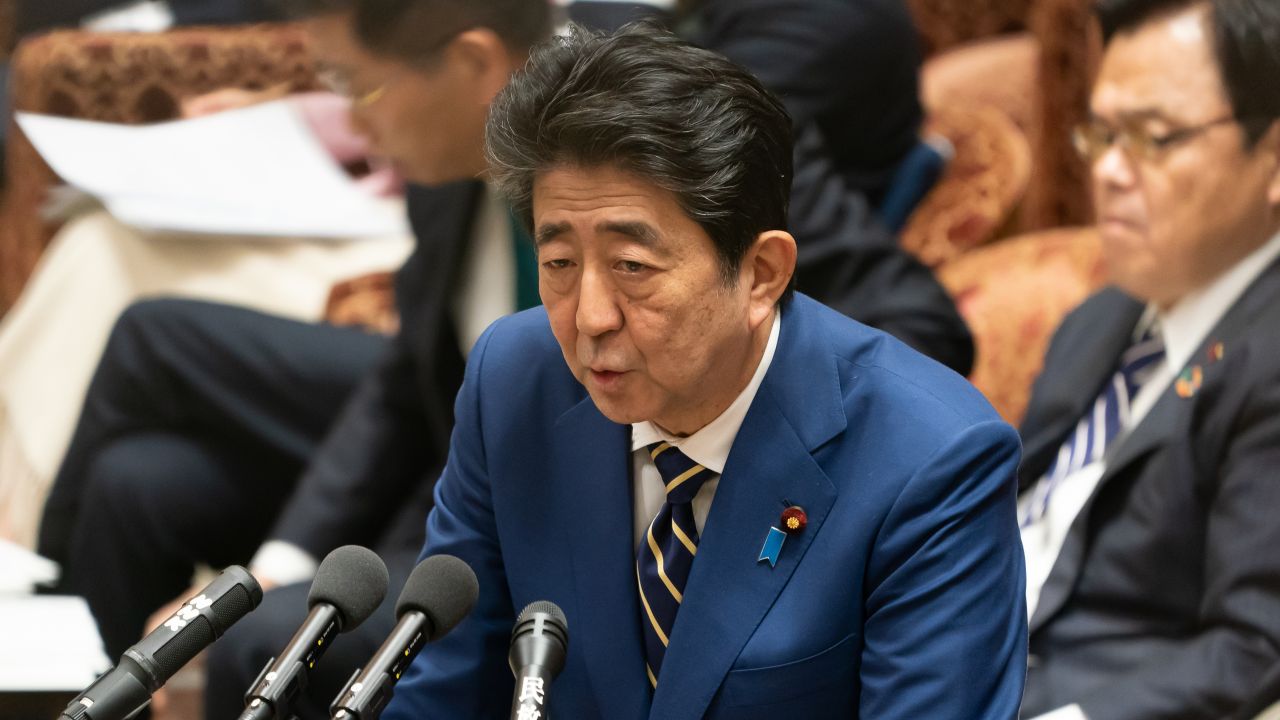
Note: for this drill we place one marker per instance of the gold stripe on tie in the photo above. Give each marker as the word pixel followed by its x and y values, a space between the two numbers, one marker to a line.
pixel 684 476
pixel 653 620
pixel 652 680
pixel 684 539
pixel 662 571
pixel 662 447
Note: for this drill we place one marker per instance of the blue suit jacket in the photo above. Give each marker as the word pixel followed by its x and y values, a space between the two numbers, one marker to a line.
pixel 903 598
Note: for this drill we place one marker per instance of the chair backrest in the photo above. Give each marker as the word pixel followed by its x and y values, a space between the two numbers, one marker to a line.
pixel 943 24
pixel 980 189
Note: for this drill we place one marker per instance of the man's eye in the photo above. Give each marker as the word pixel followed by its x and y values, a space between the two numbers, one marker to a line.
pixel 631 266
pixel 557 264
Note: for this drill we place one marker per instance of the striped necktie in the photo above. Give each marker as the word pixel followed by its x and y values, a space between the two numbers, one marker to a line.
pixel 667 550
pixel 1109 414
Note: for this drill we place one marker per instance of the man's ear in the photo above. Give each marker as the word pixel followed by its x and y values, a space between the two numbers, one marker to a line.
pixel 484 58
pixel 768 267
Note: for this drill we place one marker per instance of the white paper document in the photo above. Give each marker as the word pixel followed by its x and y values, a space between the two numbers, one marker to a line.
pixel 48 643
pixel 21 570
pixel 254 171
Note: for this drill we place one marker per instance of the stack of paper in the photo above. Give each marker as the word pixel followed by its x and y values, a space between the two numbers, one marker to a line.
pixel 254 171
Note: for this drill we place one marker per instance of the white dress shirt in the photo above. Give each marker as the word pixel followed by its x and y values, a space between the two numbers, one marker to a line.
pixel 709 447
pixel 1184 327
pixel 486 293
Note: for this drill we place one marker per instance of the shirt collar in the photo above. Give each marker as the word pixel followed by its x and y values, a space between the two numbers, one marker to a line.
pixel 1185 326
pixel 709 447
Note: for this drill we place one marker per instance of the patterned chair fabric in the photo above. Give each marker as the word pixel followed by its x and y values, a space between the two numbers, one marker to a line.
pixel 944 24
pixel 1044 88
pixel 962 76
pixel 129 78
pixel 1070 49
pixel 983 184
pixel 1013 294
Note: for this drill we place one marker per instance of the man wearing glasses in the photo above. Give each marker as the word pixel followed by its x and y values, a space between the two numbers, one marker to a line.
pixel 1149 493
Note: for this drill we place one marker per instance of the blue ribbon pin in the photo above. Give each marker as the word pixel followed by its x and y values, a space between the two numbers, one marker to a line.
pixel 772 546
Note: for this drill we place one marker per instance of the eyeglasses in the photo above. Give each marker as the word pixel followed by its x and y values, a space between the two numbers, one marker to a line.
pixel 339 83
pixel 1094 138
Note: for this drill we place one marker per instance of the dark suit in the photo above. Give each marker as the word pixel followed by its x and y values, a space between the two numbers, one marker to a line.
pixel 909 568
pixel 1165 600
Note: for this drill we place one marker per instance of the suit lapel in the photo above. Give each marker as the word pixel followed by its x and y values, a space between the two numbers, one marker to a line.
pixel 1156 430
pixel 770 467
pixel 1098 337
pixel 591 470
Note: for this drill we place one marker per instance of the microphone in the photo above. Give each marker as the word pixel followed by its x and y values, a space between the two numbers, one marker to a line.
pixel 146 666
pixel 538 644
pixel 349 585
pixel 439 593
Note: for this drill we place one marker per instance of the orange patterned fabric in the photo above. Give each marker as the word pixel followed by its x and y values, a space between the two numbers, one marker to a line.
pixel 1070 50
pixel 1013 294
pixel 982 185
pixel 129 78
pixel 367 301
pixel 946 23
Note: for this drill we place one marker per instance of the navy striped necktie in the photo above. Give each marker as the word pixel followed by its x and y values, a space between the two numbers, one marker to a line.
pixel 666 552
pixel 1107 416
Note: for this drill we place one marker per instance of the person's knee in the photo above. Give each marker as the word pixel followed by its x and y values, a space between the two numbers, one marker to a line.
pixel 138 331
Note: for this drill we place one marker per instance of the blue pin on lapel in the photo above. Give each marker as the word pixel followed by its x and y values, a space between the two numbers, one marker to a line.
pixel 772 546
pixel 794 521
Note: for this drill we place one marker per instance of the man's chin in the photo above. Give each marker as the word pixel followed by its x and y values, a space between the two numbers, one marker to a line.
pixel 615 409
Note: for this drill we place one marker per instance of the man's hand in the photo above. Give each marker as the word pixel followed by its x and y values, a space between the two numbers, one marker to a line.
pixel 230 99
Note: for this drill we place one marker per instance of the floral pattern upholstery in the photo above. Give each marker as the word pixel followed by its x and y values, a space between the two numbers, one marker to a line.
pixel 1013 294
pixel 983 184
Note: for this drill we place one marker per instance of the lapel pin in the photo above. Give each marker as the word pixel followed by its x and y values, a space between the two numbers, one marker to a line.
pixel 1189 381
pixel 793 522
pixel 1216 351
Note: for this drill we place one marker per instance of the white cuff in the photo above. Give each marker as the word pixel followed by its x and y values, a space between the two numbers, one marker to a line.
pixel 282 563
pixel 1070 712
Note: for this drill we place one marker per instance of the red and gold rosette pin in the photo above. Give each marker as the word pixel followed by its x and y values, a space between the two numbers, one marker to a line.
pixel 794 520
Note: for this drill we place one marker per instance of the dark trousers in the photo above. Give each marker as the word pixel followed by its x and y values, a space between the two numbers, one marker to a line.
pixel 197 423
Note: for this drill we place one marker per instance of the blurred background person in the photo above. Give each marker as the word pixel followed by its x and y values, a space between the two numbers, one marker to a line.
pixel 1153 433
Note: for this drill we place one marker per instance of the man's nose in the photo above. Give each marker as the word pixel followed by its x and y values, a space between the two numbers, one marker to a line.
pixel 1115 168
pixel 598 311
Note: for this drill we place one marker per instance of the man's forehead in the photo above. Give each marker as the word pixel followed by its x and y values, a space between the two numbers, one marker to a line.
pixel 1163 67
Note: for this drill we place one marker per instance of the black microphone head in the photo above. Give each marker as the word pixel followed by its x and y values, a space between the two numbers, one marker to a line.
pixel 199 622
pixel 444 589
pixel 354 580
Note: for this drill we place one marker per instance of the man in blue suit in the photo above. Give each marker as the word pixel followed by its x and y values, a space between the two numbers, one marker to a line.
pixel 635 451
